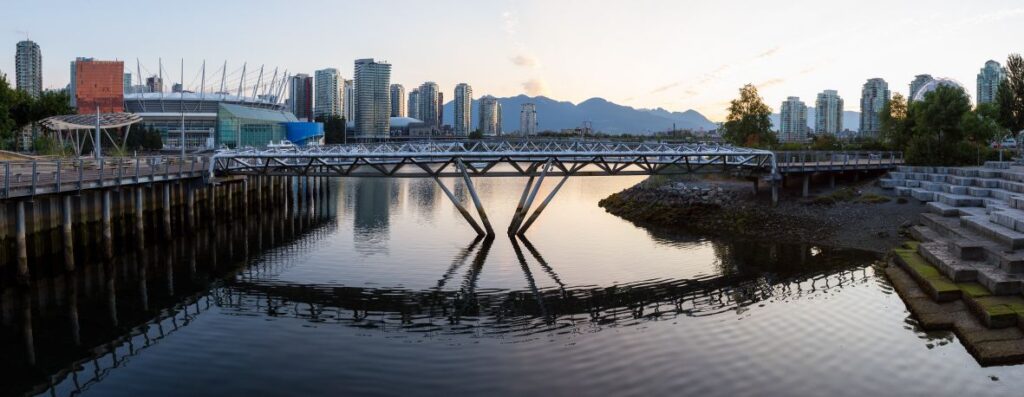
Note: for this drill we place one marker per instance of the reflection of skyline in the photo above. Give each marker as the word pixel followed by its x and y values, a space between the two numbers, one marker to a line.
pixel 371 205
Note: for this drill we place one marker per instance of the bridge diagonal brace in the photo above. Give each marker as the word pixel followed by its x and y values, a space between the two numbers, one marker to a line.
pixel 462 210
pixel 543 204
pixel 517 219
pixel 476 198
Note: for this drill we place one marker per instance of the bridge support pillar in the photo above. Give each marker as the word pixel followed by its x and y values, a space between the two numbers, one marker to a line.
pixel 108 231
pixel 167 209
pixel 543 204
pixel 807 185
pixel 140 224
pixel 831 181
pixel 20 240
pixel 476 199
pixel 245 199
pixel 462 210
pixel 190 206
pixel 69 242
pixel 856 176
pixel 775 193
pixel 756 186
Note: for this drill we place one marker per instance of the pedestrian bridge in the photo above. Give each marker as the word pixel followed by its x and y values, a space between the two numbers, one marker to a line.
pixel 533 159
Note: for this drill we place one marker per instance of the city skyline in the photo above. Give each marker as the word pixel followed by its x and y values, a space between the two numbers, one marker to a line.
pixel 688 68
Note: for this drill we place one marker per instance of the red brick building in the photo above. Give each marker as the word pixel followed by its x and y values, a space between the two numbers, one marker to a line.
pixel 99 83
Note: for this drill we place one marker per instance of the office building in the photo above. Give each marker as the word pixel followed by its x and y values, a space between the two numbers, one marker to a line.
pixel 873 97
pixel 372 98
pixel 463 109
pixel 490 116
pixel 154 84
pixel 828 113
pixel 528 119
pixel 328 93
pixel 919 81
pixel 793 120
pixel 99 85
pixel 28 66
pixel 989 79
pixel 429 104
pixel 414 103
pixel 127 82
pixel 397 100
pixel 300 97
pixel 349 101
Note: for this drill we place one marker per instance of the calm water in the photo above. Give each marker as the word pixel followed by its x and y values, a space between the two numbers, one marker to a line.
pixel 382 289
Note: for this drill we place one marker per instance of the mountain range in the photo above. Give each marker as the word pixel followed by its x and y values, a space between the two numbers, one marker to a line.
pixel 604 116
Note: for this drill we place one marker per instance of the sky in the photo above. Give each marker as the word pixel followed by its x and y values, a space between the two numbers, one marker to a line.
pixel 677 55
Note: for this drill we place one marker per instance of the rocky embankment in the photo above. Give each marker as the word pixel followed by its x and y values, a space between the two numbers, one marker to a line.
pixel 858 216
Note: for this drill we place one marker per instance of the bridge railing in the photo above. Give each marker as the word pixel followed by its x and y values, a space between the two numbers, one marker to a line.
pixel 811 158
pixel 59 175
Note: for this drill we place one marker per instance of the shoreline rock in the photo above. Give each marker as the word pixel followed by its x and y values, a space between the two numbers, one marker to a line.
pixel 729 209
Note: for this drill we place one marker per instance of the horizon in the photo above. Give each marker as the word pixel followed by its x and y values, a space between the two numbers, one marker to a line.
pixel 512 48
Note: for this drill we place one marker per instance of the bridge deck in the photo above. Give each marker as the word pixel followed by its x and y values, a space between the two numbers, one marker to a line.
pixel 31 178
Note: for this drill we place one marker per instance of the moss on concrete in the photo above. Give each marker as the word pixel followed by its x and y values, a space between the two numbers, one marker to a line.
pixel 973 290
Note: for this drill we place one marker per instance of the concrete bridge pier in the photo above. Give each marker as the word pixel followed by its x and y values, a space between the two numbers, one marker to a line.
pixel 831 181
pixel 140 216
pixel 167 209
pixel 807 185
pixel 775 193
pixel 245 198
pixel 755 186
pixel 69 242
pixel 190 206
pixel 108 231
pixel 20 240
pixel 211 198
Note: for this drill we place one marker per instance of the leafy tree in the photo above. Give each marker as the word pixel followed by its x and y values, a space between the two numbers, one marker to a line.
pixel 151 140
pixel 1010 96
pixel 476 134
pixel 896 123
pixel 939 134
pixel 334 129
pixel 7 99
pixel 748 123
pixel 825 142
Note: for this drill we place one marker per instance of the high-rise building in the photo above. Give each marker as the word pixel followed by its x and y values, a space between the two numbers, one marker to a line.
pixel 828 113
pixel 414 103
pixel 373 98
pixel 490 116
pixel 793 120
pixel 528 119
pixel 918 82
pixel 127 82
pixel 989 79
pixel 429 100
pixel 873 98
pixel 397 100
pixel 71 85
pixel 99 85
pixel 349 101
pixel 154 84
pixel 328 93
pixel 301 96
pixel 177 87
pixel 463 110
pixel 28 66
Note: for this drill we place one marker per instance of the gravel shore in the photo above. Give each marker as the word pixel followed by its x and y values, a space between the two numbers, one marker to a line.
pixel 853 215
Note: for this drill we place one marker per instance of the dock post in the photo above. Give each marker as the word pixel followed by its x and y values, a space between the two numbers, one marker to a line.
pixel 108 230
pixel 167 209
pixel 190 206
pixel 245 198
pixel 19 236
pixel 775 193
pixel 831 181
pixel 140 216
pixel 807 185
pixel 69 242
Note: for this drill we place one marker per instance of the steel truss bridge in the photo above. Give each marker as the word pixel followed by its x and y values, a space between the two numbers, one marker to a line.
pixel 535 160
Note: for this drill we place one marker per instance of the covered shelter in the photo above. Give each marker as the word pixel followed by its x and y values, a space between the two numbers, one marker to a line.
pixel 76 129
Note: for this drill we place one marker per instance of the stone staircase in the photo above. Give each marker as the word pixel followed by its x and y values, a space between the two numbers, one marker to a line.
pixel 973 230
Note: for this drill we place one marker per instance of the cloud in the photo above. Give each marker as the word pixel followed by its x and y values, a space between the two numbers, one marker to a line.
pixel 666 87
pixel 534 87
pixel 768 53
pixel 510 22
pixel 525 61
pixel 769 83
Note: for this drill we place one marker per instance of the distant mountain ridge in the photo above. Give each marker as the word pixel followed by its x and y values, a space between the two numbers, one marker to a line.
pixel 604 116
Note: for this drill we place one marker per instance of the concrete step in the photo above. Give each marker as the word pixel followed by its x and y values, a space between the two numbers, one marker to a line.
pixel 924 234
pixel 1011 218
pixel 938 255
pixel 1008 238
pixel 936 207
pixel 922 194
pixel 958 200
pixel 944 227
pixel 889 183
pixel 999 282
pixel 978 191
pixel 998 165
pixel 972 211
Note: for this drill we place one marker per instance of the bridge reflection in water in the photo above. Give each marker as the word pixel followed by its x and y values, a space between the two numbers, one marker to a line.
pixel 69 331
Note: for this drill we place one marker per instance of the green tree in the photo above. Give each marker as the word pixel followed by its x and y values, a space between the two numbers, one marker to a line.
pixel 939 136
pixel 897 125
pixel 748 123
pixel 825 142
pixel 476 134
pixel 7 100
pixel 1010 96
pixel 334 129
